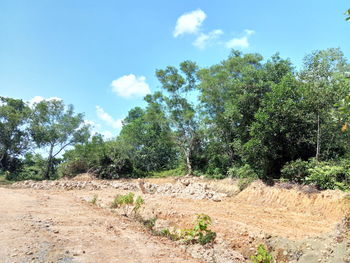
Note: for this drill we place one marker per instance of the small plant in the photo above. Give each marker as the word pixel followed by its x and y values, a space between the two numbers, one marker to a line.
pixel 94 199
pixel 262 255
pixel 166 233
pixel 200 232
pixel 128 203
pixel 149 223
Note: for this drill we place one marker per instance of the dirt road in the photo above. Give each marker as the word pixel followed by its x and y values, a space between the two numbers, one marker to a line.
pixel 55 226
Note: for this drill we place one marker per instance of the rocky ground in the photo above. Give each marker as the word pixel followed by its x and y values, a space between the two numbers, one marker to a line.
pixel 54 221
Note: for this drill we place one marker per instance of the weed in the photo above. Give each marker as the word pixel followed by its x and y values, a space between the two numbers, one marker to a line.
pixel 94 199
pixel 200 232
pixel 166 233
pixel 127 203
pixel 149 223
pixel 262 255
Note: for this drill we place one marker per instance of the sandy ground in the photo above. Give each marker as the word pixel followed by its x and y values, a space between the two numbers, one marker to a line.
pixel 55 226
pixel 62 226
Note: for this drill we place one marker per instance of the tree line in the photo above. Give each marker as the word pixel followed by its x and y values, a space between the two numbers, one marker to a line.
pixel 242 117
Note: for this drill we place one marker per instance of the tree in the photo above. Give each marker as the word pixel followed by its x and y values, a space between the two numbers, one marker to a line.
pixel 324 74
pixel 14 137
pixel 55 126
pixel 180 111
pixel 146 137
pixel 282 130
pixel 347 13
pixel 231 94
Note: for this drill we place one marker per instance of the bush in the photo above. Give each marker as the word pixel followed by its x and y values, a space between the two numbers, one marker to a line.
pixel 244 171
pixel 200 232
pixel 128 203
pixel 328 176
pixel 73 168
pixel 296 171
pixel 262 255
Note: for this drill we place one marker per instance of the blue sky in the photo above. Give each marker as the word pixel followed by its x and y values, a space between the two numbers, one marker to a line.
pixel 101 56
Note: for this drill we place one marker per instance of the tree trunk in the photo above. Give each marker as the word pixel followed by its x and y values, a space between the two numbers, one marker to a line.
pixel 49 164
pixel 188 162
pixel 318 144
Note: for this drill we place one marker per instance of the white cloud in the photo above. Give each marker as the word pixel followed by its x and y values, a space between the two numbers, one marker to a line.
pixel 38 99
pixel 107 134
pixel 242 42
pixel 189 23
pixel 203 40
pixel 130 85
pixel 115 123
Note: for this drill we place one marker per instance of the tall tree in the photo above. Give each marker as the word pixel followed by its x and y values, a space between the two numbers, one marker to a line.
pixel 146 137
pixel 14 137
pixel 55 126
pixel 231 94
pixel 180 110
pixel 324 75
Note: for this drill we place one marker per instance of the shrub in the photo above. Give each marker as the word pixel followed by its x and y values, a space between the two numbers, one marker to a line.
pixel 128 203
pixel 328 176
pixel 244 171
pixel 200 232
pixel 262 255
pixel 296 171
pixel 73 168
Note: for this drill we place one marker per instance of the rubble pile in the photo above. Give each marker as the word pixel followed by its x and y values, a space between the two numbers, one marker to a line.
pixel 183 188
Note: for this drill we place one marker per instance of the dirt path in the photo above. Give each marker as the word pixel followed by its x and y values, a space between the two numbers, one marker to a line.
pixel 56 226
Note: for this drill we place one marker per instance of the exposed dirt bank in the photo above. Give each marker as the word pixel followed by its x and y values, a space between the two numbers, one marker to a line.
pixel 297 225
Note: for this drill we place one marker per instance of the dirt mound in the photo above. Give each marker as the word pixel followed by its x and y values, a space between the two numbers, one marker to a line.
pixel 323 203
pixel 84 177
pixel 185 188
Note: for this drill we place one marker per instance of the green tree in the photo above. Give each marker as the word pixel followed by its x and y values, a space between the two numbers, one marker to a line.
pixel 231 94
pixel 146 137
pixel 55 126
pixel 347 13
pixel 14 137
pixel 282 130
pixel 180 110
pixel 324 74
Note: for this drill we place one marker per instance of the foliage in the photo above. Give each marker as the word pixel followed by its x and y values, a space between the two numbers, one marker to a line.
pixel 329 176
pixel 14 136
pixel 128 203
pixel 262 255
pixel 244 171
pixel 200 232
pixel 146 138
pixel 347 13
pixel 55 126
pixel 33 168
pixel 96 156
pixel 180 111
pixel 296 171
pixel 245 117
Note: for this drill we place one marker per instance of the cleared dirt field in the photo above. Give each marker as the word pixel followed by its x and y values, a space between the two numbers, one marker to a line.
pixel 51 224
